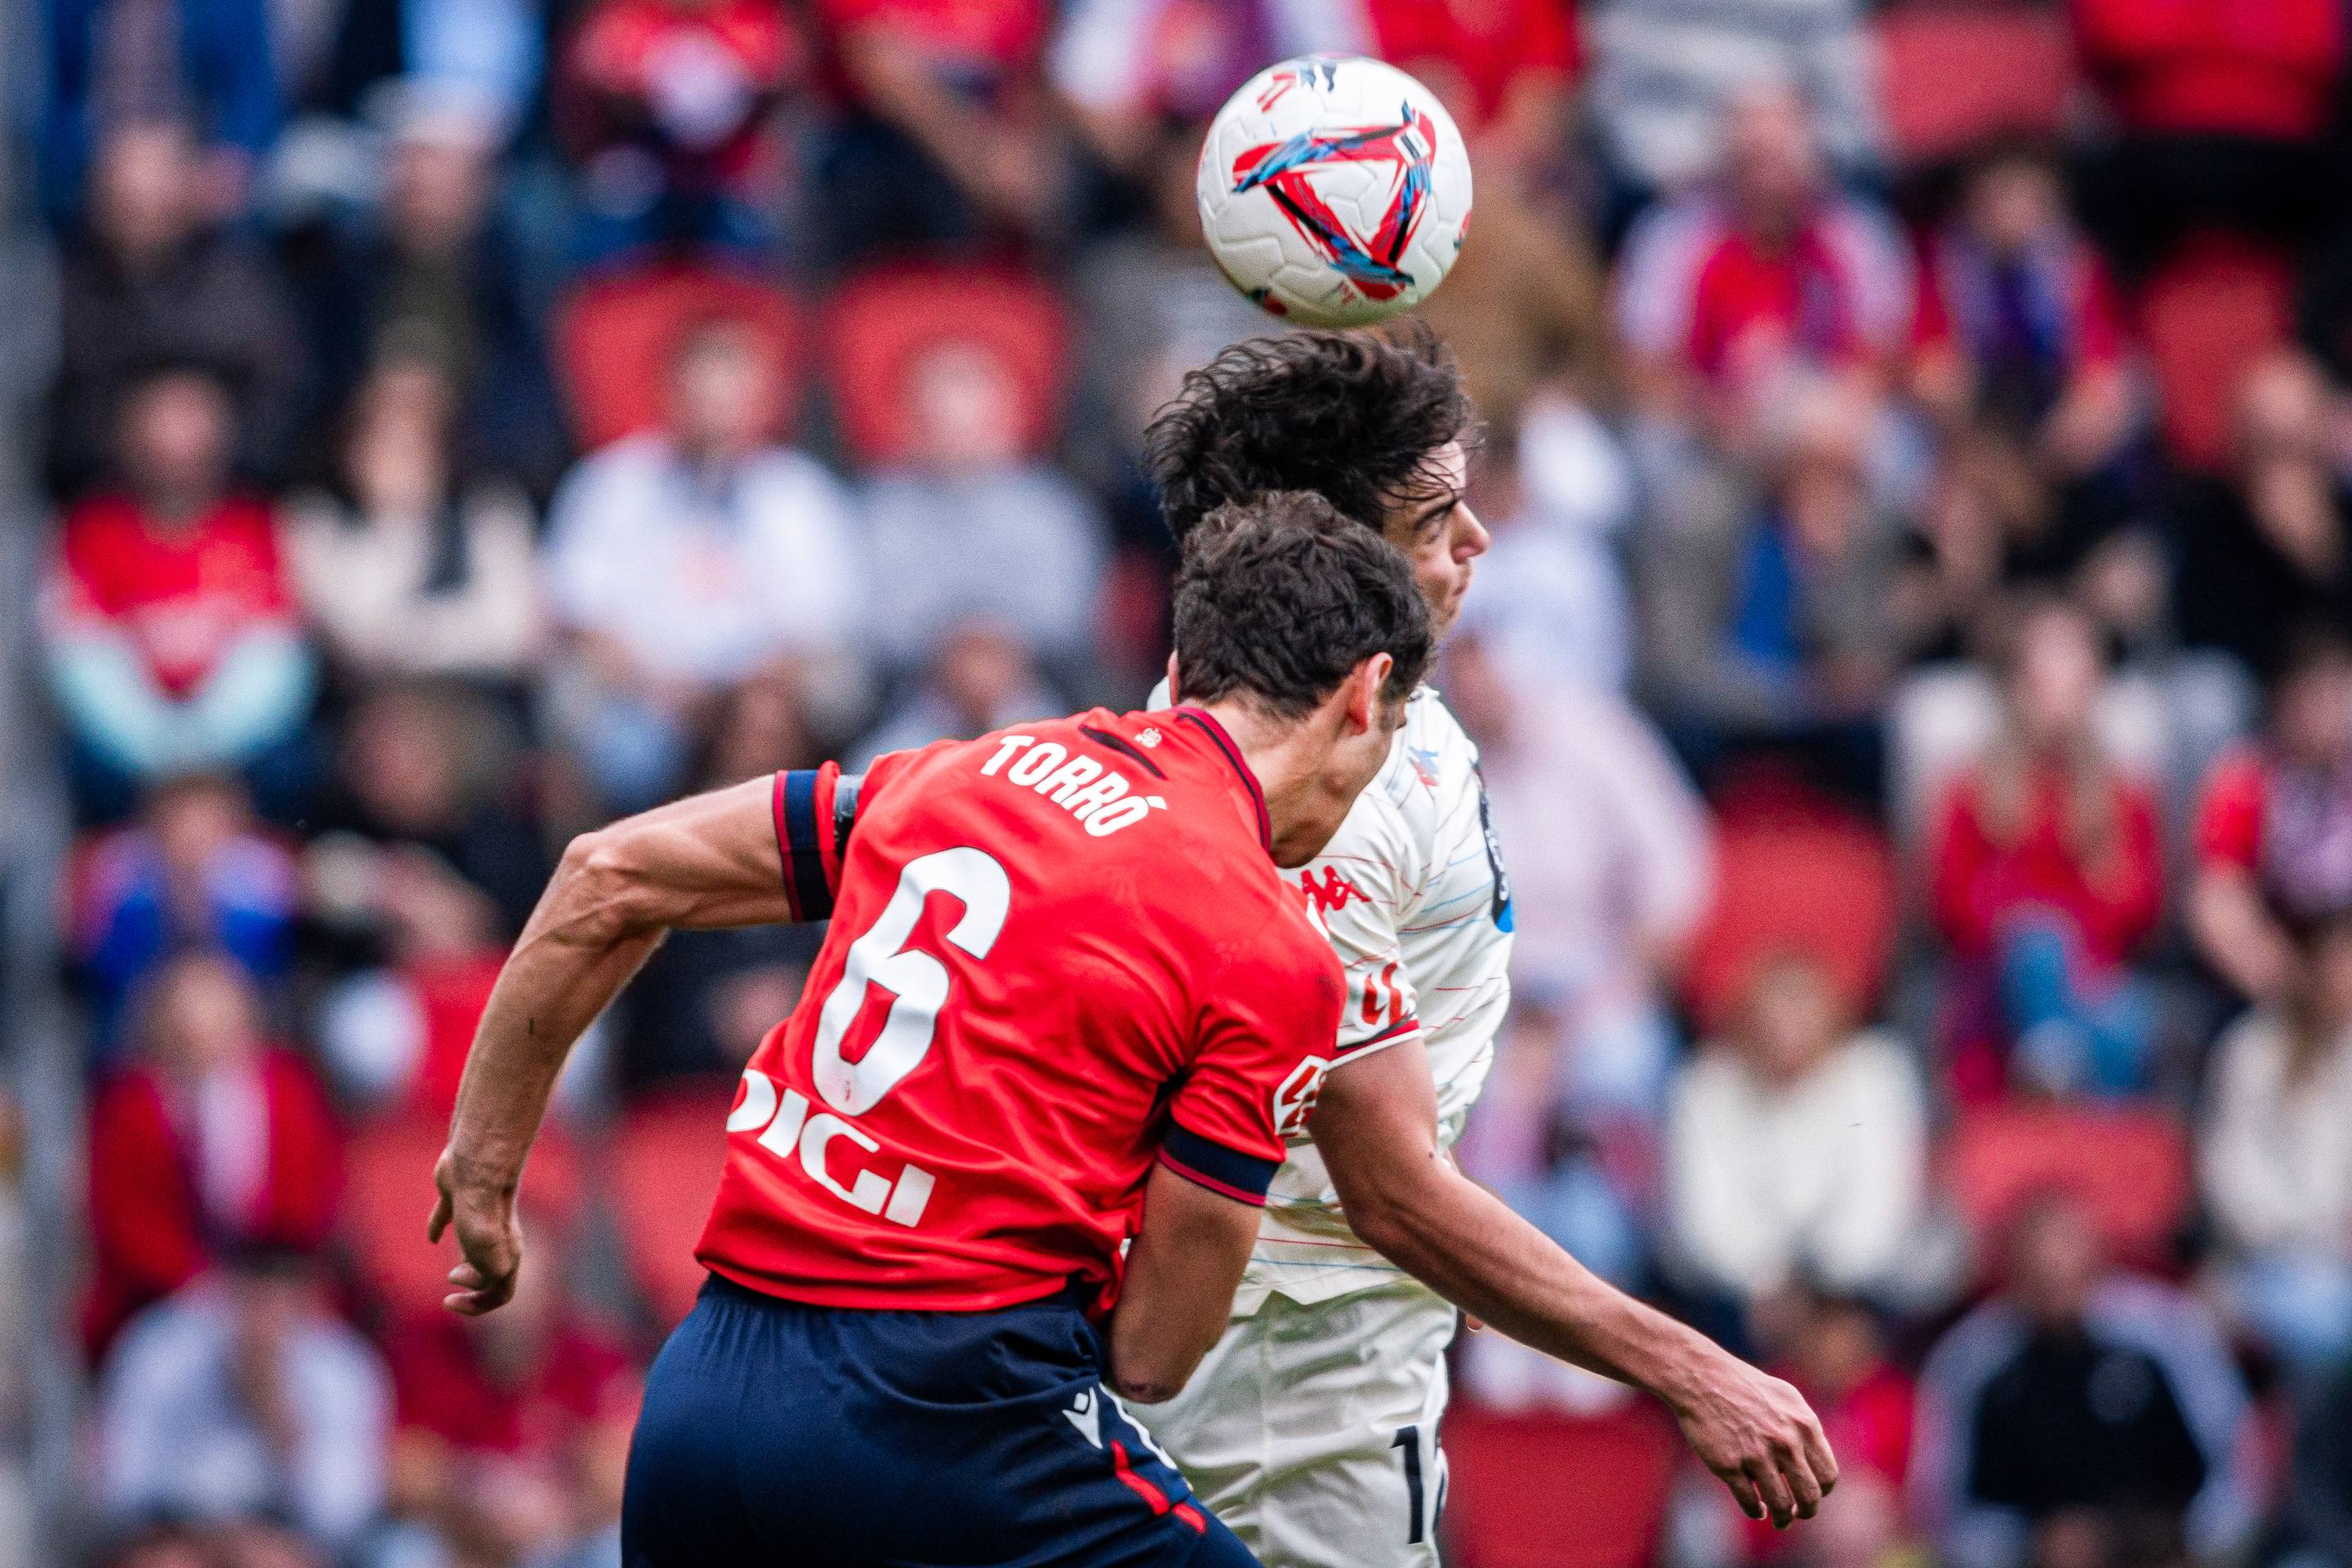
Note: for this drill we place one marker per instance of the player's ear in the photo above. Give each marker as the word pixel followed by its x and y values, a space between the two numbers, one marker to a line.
pixel 1175 687
pixel 1366 688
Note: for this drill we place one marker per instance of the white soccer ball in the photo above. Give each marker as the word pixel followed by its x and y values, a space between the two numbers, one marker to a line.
pixel 1334 192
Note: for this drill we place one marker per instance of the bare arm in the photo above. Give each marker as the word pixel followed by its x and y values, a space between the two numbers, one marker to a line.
pixel 705 862
pixel 1187 1259
pixel 2236 934
pixel 1376 1125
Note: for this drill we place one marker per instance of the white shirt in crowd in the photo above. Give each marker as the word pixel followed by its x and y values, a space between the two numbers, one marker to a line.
pixel 369 587
pixel 174 1436
pixel 2277 1154
pixel 1825 1174
pixel 703 576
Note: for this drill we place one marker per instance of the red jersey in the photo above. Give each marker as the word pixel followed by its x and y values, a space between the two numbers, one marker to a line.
pixel 1059 953
pixel 183 596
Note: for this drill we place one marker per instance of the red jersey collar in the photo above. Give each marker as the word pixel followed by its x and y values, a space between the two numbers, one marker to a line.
pixel 1200 720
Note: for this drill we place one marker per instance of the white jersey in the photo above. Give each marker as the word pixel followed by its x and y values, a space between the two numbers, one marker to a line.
pixel 1413 892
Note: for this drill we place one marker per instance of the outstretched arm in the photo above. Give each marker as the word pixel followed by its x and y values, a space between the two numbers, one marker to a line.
pixel 704 862
pixel 1376 1126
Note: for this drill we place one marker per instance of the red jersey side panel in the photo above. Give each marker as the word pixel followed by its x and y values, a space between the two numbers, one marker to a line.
pixel 1057 954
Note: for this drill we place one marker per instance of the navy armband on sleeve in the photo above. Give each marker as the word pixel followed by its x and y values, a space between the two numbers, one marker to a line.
pixel 1206 1162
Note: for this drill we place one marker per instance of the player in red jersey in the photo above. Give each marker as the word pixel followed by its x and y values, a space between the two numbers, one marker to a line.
pixel 1066 1006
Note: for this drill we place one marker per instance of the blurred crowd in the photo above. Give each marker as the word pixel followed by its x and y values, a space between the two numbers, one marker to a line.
pixel 1914 670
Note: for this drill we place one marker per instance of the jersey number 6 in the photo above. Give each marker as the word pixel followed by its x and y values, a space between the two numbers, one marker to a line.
pixel 918 983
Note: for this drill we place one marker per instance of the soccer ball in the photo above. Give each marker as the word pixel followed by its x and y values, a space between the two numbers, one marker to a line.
pixel 1334 192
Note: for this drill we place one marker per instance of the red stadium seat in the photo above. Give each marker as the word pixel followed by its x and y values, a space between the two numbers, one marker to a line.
pixel 1794 872
pixel 2215 308
pixel 2127 1165
pixel 878 324
pixel 388 1197
pixel 613 336
pixel 1548 1490
pixel 666 1161
pixel 1954 77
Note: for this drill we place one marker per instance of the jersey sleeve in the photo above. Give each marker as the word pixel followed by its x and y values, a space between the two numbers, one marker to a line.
pixel 815 810
pixel 1361 891
pixel 1265 1047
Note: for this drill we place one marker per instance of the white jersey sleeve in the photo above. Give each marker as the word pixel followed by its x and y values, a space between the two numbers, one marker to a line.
pixel 1361 890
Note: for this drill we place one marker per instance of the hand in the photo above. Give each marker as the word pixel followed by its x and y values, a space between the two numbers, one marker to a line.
pixel 1761 1439
pixel 487 1235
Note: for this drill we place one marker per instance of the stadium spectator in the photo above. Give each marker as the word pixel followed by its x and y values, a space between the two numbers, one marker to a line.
pixel 945 137
pixel 1150 305
pixel 2080 1415
pixel 406 566
pixel 209 1138
pixel 150 278
pixel 1557 493
pixel 1505 69
pixel 1664 70
pixel 114 63
pixel 1722 293
pixel 513 1430
pixel 972 526
pixel 1796 1149
pixel 2020 326
pixel 243 1398
pixel 981 677
pixel 2266 550
pixel 1610 873
pixel 2273 834
pixel 172 639
pixel 2222 110
pixel 2046 874
pixel 433 274
pixel 1777 624
pixel 428 769
pixel 195 869
pixel 2275 1159
pixel 665 105
pixel 684 561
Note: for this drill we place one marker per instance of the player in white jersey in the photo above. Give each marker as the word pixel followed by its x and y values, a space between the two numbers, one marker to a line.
pixel 1312 1427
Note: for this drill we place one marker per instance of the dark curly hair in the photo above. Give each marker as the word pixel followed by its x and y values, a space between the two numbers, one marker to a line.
pixel 1355 417
pixel 1280 596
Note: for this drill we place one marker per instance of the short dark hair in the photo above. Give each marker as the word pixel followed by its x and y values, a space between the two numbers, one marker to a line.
pixel 1355 417
pixel 1280 596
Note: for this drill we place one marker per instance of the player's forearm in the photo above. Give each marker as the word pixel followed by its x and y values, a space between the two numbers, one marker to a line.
pixel 1465 1244
pixel 575 955
pixel 1178 1290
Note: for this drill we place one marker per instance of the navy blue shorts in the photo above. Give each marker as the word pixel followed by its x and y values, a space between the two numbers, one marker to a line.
pixel 779 1434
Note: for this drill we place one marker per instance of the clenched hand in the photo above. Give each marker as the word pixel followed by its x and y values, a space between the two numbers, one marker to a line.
pixel 488 1235
pixel 1761 1439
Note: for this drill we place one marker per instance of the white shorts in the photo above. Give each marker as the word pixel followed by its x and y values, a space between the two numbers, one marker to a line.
pixel 1311 1431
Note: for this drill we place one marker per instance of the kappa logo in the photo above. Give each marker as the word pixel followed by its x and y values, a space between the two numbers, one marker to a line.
pixel 1328 896
pixel 1294 1102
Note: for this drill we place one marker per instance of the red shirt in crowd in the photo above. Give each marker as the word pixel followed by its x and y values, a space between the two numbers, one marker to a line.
pixel 2288 827
pixel 1980 879
pixel 1697 288
pixel 1955 311
pixel 1058 954
pixel 1488 44
pixel 174 1171
pixel 183 595
pixel 705 73
pixel 986 37
pixel 441 1386
pixel 2253 68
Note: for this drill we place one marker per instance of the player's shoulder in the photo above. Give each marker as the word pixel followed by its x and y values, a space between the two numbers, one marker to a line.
pixel 1430 765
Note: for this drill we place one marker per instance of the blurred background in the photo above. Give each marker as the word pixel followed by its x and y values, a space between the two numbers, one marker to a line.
pixel 1914 670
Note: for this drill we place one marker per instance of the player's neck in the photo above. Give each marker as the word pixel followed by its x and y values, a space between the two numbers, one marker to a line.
pixel 1291 759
